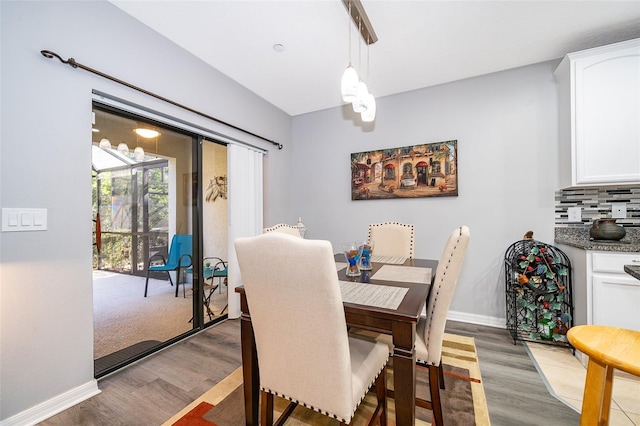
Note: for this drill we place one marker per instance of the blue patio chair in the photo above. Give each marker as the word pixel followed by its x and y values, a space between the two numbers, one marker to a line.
pixel 179 259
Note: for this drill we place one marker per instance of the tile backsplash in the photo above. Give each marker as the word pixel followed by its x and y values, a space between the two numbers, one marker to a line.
pixel 595 203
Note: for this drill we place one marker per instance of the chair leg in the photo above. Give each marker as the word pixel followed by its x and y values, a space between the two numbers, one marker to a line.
pixel 441 375
pixel 434 388
pixel 381 393
pixel 266 416
pixel 184 284
pixel 177 280
pixel 146 284
pixel 207 302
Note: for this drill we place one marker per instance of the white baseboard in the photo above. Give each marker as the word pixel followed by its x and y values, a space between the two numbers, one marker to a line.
pixel 53 406
pixel 477 319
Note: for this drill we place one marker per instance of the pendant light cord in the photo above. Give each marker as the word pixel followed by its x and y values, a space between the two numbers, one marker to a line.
pixel 368 49
pixel 359 47
pixel 72 62
pixel 349 24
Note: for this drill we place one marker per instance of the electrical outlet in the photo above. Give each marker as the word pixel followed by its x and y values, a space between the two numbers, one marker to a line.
pixel 575 214
pixel 618 210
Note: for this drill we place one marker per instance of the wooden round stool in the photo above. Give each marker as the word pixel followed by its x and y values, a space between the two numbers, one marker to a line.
pixel 608 348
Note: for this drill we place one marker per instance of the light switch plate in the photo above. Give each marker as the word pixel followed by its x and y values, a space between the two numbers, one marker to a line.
pixel 24 219
pixel 575 214
pixel 618 210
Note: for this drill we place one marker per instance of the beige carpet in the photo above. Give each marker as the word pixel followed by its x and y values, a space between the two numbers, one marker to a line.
pixel 459 355
pixel 123 317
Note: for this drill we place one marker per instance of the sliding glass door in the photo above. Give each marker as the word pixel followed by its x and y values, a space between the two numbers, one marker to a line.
pixel 156 224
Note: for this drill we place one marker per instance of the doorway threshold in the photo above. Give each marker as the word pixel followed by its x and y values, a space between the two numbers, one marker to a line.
pixel 108 362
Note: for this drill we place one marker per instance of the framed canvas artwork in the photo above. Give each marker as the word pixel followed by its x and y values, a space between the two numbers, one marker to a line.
pixel 416 171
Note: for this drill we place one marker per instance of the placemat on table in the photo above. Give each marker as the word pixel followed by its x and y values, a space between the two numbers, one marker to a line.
pixel 406 274
pixel 381 296
pixel 388 259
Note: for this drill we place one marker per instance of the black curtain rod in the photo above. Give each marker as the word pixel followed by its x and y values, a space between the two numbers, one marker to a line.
pixel 72 62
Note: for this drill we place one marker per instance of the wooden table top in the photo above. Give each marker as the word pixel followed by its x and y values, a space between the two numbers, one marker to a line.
pixel 617 347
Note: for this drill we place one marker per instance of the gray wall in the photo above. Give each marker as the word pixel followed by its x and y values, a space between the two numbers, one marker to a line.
pixel 507 131
pixel 46 323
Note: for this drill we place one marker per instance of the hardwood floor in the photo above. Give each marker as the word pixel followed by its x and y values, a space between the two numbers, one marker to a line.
pixel 516 394
pixel 152 390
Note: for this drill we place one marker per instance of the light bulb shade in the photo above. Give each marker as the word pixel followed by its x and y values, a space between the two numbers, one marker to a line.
pixel 360 102
pixel 138 153
pixel 349 84
pixel 123 147
pixel 370 113
pixel 105 144
pixel 146 133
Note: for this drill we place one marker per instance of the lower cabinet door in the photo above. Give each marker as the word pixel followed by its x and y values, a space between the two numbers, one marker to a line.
pixel 616 301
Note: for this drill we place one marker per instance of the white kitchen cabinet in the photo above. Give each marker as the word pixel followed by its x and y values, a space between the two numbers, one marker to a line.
pixel 615 294
pixel 599 113
pixel 603 293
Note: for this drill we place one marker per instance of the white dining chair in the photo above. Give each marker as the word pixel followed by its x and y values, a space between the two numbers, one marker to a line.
pixel 430 329
pixel 304 351
pixel 392 239
pixel 284 228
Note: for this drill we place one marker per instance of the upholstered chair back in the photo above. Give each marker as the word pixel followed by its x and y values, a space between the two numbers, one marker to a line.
pixel 392 239
pixel 441 294
pixel 298 320
pixel 284 228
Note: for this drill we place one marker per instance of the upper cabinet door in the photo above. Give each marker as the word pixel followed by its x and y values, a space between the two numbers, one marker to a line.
pixel 599 93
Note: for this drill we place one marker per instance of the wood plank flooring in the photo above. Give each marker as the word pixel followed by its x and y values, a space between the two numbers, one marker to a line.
pixel 154 389
pixel 516 394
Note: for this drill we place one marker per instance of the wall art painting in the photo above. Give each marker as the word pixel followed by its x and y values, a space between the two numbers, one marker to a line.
pixel 416 171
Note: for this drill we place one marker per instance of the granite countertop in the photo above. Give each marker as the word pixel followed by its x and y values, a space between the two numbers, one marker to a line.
pixel 633 270
pixel 579 237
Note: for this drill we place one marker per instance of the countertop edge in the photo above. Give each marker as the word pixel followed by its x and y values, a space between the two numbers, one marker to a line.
pixel 633 270
pixel 598 246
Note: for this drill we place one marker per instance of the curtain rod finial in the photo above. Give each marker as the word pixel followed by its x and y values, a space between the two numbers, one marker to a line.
pixel 49 54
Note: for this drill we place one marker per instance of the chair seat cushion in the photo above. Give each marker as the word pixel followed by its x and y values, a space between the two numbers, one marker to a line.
pixel 368 359
pixel 220 272
pixel 163 267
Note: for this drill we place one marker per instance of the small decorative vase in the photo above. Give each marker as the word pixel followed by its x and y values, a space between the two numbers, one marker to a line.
pixel 352 252
pixel 365 258
pixel 606 229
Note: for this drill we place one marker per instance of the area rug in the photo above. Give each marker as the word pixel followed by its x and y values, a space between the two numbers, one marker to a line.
pixel 463 399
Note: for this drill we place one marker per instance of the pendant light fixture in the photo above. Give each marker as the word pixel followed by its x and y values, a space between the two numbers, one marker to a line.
pixel 105 143
pixel 362 101
pixel 123 148
pixel 359 104
pixel 369 114
pixel 138 153
pixel 349 82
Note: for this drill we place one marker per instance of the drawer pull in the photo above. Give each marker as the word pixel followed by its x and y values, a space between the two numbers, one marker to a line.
pixel 635 260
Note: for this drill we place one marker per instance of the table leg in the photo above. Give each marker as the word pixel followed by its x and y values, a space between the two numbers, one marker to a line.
pixel 250 374
pixel 404 373
pixel 596 401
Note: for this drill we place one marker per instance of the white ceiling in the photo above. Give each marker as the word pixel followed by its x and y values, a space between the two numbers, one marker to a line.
pixel 421 42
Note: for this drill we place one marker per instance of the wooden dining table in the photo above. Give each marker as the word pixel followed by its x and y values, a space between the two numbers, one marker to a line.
pixel 400 323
